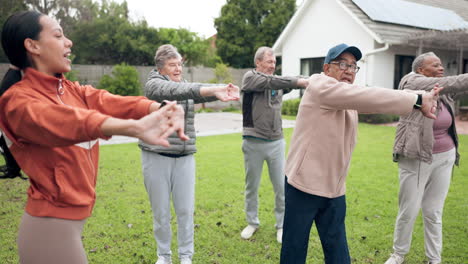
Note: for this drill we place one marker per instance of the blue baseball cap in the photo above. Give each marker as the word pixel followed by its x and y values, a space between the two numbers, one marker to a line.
pixel 336 51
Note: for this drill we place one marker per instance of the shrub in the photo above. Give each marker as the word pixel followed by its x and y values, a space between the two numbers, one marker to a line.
pixel 290 107
pixel 230 108
pixel 464 102
pixel 205 110
pixel 124 81
pixel 222 74
pixel 377 118
pixel 72 75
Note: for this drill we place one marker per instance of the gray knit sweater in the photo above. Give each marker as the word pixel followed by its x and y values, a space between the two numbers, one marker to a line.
pixel 160 87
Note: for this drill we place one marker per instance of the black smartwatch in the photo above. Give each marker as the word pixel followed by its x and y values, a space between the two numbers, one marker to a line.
pixel 418 103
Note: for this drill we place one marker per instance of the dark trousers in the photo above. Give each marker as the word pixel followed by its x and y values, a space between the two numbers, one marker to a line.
pixel 302 209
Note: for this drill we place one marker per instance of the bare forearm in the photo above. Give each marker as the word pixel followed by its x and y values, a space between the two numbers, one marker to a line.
pixel 224 93
pixel 123 127
pixel 207 91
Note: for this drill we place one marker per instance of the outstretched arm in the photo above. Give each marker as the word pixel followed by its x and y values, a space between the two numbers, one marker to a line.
pixel 254 81
pixel 456 85
pixel 153 128
pixel 225 93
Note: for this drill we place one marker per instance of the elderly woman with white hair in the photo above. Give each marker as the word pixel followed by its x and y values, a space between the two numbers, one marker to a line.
pixel 426 151
pixel 170 172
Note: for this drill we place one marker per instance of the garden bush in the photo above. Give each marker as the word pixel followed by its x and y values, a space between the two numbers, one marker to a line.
pixel 124 81
pixel 222 74
pixel 290 107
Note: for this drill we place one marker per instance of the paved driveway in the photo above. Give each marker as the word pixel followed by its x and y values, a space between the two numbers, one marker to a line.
pixel 206 124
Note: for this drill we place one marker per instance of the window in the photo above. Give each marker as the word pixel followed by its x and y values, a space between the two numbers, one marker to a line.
pixel 402 67
pixel 310 66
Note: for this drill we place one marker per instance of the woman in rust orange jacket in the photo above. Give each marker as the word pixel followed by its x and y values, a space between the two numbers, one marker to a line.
pixel 51 126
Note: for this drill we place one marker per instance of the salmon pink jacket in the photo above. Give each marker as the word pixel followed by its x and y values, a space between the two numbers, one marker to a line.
pixel 326 131
pixel 52 126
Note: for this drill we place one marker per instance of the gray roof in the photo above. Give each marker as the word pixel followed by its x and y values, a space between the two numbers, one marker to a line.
pixel 407 35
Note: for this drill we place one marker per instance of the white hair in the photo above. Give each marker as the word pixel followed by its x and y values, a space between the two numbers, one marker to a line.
pixel 164 53
pixel 418 62
pixel 261 53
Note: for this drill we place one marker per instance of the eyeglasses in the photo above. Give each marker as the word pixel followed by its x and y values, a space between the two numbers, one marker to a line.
pixel 345 66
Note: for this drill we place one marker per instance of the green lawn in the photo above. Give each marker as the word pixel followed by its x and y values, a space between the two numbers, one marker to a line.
pixel 120 230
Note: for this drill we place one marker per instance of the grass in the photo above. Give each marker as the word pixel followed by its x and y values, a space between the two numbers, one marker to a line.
pixel 120 230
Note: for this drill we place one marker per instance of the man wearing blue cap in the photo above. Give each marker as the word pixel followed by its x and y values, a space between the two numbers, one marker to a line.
pixel 321 148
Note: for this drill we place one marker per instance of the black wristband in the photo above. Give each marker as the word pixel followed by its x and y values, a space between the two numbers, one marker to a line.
pixel 418 103
pixel 162 104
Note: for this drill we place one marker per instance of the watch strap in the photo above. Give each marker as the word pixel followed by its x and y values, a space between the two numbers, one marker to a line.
pixel 418 103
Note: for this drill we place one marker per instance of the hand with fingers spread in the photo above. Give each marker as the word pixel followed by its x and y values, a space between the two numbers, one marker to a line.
pixel 153 128
pixel 429 102
pixel 225 93
pixel 157 126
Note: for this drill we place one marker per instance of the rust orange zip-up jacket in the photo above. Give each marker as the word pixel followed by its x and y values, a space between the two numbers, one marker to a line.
pixel 52 126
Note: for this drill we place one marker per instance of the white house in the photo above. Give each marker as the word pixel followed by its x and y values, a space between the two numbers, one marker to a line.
pixel 390 33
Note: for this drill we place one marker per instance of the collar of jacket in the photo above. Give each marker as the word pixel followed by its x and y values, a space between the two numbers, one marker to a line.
pixel 42 82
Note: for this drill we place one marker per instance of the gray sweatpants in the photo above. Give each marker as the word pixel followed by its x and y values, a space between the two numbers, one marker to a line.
pixel 257 151
pixel 167 177
pixel 48 240
pixel 425 186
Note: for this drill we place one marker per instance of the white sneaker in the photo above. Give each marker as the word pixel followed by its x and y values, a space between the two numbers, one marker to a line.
pixel 185 261
pixel 164 260
pixel 279 235
pixel 395 259
pixel 248 232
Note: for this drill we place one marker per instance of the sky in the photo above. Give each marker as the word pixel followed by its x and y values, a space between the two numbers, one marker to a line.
pixel 195 15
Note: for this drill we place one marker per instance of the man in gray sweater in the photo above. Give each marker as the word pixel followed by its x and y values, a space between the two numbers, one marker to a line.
pixel 262 96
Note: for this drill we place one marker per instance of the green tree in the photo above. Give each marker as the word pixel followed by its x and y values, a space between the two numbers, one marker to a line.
pixel 245 25
pixel 110 38
pixel 67 12
pixel 102 33
pixel 124 81
pixel 194 49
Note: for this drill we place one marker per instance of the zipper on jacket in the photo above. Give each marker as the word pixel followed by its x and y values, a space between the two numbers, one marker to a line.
pixel 185 123
pixel 61 91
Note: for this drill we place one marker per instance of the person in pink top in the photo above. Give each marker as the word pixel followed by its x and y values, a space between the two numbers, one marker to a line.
pixel 426 151
pixel 321 148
